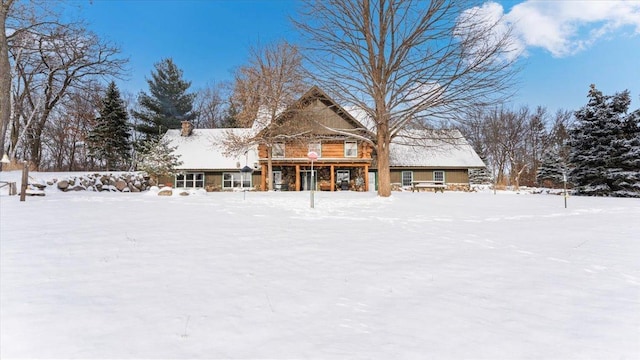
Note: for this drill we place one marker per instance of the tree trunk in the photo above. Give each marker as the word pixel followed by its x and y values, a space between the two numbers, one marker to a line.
pixel 5 75
pixel 269 169
pixel 382 149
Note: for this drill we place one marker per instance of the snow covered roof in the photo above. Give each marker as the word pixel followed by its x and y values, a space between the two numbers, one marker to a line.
pixel 424 148
pixel 203 149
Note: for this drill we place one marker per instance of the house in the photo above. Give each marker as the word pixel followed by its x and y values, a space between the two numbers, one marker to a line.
pixel 204 162
pixel 345 160
pixel 422 155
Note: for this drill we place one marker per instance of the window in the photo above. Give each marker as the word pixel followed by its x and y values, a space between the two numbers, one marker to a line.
pixel 438 176
pixel 236 180
pixel 190 180
pixel 350 149
pixel 316 147
pixel 342 175
pixel 407 178
pixel 342 179
pixel 277 151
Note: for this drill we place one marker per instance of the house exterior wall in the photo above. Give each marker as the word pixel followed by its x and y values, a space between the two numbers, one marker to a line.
pixel 212 179
pixel 451 176
pixel 331 149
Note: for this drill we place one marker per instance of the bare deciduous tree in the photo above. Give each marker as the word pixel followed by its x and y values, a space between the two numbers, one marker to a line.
pixel 5 74
pixel 273 80
pixel 50 59
pixel 210 106
pixel 406 62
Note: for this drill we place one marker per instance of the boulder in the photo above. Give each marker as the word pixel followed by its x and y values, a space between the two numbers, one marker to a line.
pixel 63 185
pixel 165 192
pixel 184 193
pixel 121 184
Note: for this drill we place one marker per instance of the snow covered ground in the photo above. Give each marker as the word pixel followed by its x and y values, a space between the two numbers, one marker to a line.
pixel 414 276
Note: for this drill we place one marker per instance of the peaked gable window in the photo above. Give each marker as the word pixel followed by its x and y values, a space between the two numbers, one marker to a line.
pixel 277 151
pixel 350 149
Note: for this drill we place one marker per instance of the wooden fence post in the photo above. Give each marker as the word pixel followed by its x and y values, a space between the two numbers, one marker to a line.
pixel 25 179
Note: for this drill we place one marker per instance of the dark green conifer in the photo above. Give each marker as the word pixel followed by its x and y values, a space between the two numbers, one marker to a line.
pixel 109 141
pixel 168 103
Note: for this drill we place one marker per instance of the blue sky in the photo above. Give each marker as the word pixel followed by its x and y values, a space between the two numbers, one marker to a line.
pixel 567 45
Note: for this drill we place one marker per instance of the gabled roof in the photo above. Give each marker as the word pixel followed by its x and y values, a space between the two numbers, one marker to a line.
pixel 307 101
pixel 433 149
pixel 316 93
pixel 203 149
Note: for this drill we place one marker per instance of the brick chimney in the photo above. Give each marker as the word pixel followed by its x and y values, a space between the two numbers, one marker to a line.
pixel 187 128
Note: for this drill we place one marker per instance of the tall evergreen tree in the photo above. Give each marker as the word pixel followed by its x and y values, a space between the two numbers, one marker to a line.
pixel 230 117
pixel 110 140
pixel 552 168
pixel 625 173
pixel 594 143
pixel 168 103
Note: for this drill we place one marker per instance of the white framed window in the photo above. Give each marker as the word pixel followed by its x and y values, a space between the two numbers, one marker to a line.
pixel 342 175
pixel 232 180
pixel 350 149
pixel 277 151
pixel 316 147
pixel 438 175
pixel 190 180
pixel 407 178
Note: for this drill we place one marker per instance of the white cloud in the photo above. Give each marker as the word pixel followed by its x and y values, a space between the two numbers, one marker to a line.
pixel 566 27
pixel 489 21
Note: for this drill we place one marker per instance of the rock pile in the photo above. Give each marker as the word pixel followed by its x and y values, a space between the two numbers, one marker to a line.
pixel 121 182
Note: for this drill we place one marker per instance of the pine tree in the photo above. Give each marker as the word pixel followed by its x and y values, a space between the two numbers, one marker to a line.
pixel 158 158
pixel 109 141
pixel 230 117
pixel 480 176
pixel 626 171
pixel 168 103
pixel 552 169
pixel 594 141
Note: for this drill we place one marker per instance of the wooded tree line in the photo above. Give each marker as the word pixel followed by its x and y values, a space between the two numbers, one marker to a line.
pixel 59 106
pixel 596 149
pixel 513 142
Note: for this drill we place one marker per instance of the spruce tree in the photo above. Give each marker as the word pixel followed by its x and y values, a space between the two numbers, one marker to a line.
pixel 625 173
pixel 168 103
pixel 480 176
pixel 157 158
pixel 230 117
pixel 594 143
pixel 552 169
pixel 109 141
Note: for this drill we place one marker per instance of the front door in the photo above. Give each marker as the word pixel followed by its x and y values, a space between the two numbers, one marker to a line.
pixel 372 181
pixel 277 180
pixel 306 178
pixel 342 179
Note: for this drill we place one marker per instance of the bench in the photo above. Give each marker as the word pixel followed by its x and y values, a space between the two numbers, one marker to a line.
pixel 428 184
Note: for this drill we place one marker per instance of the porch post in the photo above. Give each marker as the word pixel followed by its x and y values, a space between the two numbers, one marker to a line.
pixel 333 178
pixel 366 177
pixel 297 177
pixel 263 178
